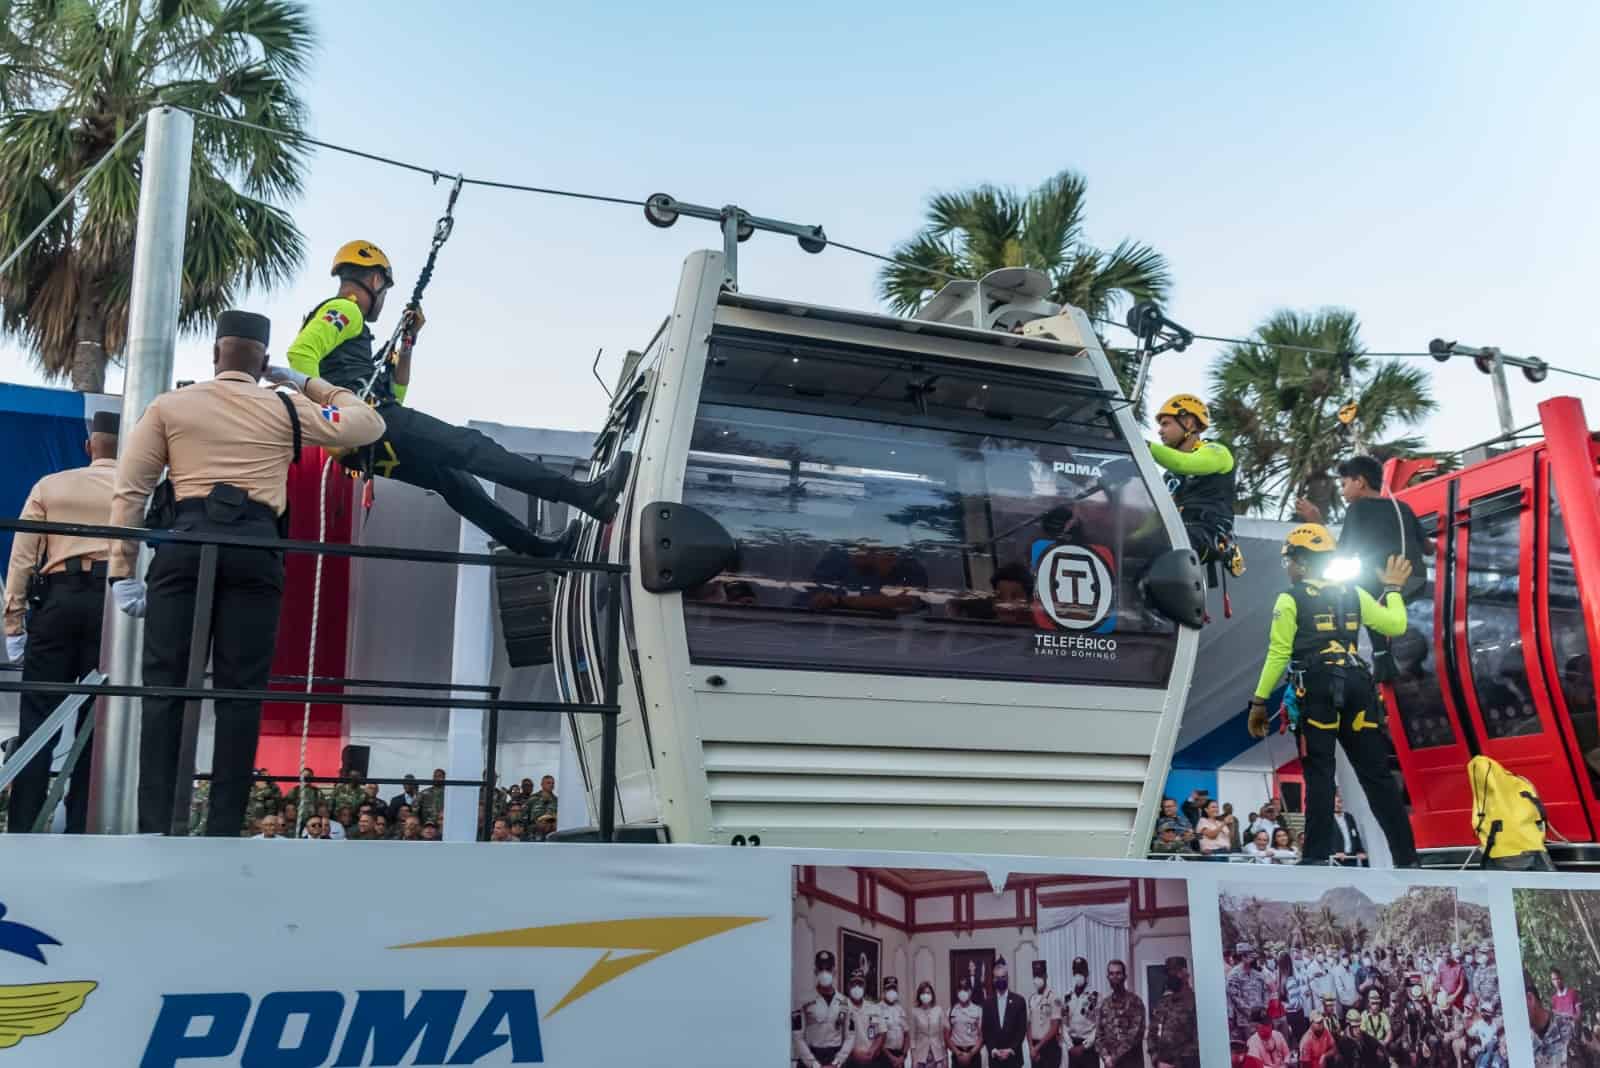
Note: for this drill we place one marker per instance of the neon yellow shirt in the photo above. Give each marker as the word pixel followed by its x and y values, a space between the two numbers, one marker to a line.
pixel 1210 458
pixel 1388 619
pixel 324 333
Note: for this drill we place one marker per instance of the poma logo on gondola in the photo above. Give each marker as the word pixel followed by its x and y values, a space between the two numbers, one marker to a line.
pixel 1074 587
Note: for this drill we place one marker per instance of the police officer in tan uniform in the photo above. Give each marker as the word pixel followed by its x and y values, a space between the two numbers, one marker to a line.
pixel 820 1025
pixel 55 603
pixel 227 445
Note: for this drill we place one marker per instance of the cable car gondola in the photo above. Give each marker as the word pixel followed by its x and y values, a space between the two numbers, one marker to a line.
pixel 894 583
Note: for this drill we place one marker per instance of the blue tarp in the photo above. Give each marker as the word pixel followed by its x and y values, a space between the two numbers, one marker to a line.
pixel 41 431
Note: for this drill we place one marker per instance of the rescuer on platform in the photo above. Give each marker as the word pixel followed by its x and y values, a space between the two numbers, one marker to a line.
pixel 1315 625
pixel 335 344
pixel 1200 478
pixel 55 601
pixel 227 445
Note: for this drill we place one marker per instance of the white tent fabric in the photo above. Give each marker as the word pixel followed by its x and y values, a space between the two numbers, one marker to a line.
pixel 1098 933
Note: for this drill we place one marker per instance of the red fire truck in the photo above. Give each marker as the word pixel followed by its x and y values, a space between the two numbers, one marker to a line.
pixel 1498 658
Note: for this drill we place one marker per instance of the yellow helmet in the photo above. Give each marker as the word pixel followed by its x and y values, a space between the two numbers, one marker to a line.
pixel 362 254
pixel 1310 537
pixel 1186 404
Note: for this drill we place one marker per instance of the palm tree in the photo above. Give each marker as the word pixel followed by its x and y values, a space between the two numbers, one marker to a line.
pixel 1276 406
pixel 73 77
pixel 975 231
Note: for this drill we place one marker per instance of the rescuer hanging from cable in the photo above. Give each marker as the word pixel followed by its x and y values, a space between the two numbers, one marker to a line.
pixel 334 344
pixel 1201 479
pixel 1315 626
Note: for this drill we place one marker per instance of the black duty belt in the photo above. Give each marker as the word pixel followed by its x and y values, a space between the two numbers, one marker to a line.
pixel 79 568
pixel 248 511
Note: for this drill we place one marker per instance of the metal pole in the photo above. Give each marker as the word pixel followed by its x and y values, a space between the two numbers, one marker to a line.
pixel 608 724
pixel 490 772
pixel 730 247
pixel 152 334
pixel 1502 395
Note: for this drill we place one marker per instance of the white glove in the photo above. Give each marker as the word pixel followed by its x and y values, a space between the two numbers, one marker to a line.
pixel 129 593
pixel 15 645
pixel 279 375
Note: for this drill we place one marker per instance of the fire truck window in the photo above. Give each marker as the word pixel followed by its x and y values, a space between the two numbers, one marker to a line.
pixel 881 547
pixel 1494 635
pixel 1423 715
pixel 1570 643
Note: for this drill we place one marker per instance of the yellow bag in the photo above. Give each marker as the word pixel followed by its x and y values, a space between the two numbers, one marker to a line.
pixel 1508 816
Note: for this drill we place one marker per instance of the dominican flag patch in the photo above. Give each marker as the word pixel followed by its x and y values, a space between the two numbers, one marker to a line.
pixel 338 318
pixel 330 413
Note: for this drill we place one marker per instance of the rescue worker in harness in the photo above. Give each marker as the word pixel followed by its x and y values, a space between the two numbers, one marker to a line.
pixel 1315 626
pixel 335 344
pixel 1200 476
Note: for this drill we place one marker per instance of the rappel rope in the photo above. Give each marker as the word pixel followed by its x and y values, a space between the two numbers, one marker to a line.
pixel 311 650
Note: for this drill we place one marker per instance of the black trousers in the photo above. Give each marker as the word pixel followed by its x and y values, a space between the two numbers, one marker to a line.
pixel 1082 1057
pixel 244 630
pixel 63 646
pixel 449 460
pixel 1341 707
pixel 1049 1056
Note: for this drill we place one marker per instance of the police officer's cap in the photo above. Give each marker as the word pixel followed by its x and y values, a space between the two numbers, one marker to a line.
pixel 247 325
pixel 858 976
pixel 824 961
pixel 1080 966
pixel 1039 968
pixel 105 423
pixel 891 983
pixel 1177 964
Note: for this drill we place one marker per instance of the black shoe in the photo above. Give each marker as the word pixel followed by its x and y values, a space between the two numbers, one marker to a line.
pixel 563 547
pixel 598 497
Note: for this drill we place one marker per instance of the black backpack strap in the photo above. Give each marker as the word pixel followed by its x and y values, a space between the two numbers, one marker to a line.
pixel 1488 846
pixel 294 422
pixel 1538 804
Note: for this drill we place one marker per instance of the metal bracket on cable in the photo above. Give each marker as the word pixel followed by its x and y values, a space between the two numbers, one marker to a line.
pixel 737 225
pixel 1150 325
pixel 46 734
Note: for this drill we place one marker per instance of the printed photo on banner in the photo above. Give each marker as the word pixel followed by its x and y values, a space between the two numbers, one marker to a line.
pixel 912 968
pixel 1559 934
pixel 1360 972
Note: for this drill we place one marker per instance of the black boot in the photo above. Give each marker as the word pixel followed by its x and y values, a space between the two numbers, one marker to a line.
pixel 562 547
pixel 598 497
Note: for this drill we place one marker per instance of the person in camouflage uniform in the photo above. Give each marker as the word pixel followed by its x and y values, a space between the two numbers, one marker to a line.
pixel 265 800
pixel 1120 1026
pixel 5 803
pixel 541 810
pixel 199 806
pixel 313 796
pixel 430 803
pixel 1174 1027
pixel 349 793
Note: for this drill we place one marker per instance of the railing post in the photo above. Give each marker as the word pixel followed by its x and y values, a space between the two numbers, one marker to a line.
pixel 489 771
pixel 608 722
pixel 199 651
pixel 152 335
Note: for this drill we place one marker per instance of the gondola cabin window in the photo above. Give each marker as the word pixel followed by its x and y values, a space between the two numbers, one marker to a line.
pixel 908 517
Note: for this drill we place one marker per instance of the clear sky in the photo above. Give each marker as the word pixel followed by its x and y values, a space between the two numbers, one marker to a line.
pixel 1431 165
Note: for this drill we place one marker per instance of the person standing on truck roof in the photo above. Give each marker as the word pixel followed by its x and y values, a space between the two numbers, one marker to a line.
pixel 1200 476
pixel 55 603
pixel 1375 528
pixel 334 343
pixel 226 446
pixel 1315 625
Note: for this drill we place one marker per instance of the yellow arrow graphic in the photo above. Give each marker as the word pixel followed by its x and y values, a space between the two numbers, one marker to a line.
pixel 643 940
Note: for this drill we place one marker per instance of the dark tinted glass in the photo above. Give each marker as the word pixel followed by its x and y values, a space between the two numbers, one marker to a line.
pixel 924 538
pixel 1423 715
pixel 1570 643
pixel 1494 633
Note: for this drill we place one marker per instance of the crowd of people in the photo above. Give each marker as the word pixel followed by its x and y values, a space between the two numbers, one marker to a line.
pixel 355 810
pixel 1202 828
pixel 1085 1027
pixel 1328 1006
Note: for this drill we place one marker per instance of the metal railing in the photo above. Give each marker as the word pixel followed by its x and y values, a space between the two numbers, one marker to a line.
pixel 195 691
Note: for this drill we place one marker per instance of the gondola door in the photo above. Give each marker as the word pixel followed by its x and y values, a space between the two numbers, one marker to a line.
pixel 1425 724
pixel 1499 669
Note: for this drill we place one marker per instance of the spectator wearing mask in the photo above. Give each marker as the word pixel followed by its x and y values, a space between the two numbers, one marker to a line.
pixel 1283 851
pixel 929 1026
pixel 1081 1011
pixel 1005 1021
pixel 1044 1021
pixel 1120 1026
pixel 896 1024
pixel 1214 840
pixel 1344 982
pixel 966 1029
pixel 1485 977
pixel 1317 1044
pixel 1247 988
pixel 1375 528
pixel 1452 977
pixel 1265 1044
